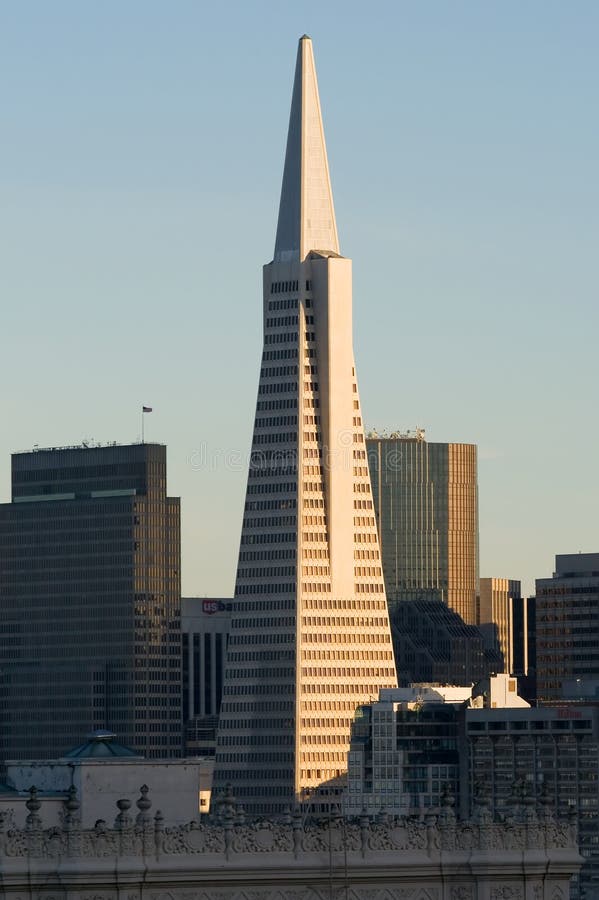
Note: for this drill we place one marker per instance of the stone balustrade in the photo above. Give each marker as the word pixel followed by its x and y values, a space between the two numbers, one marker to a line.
pixel 140 857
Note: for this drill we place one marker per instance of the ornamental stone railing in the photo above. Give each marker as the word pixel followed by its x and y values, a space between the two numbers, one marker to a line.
pixel 528 857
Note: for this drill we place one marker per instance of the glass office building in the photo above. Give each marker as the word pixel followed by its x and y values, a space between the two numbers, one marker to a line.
pixel 90 602
pixel 426 504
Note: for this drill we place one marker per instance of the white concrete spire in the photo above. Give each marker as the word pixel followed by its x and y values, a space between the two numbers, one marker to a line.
pixel 306 212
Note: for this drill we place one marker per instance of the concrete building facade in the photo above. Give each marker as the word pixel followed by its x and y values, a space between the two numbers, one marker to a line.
pixel 426 503
pixel 309 638
pixel 90 602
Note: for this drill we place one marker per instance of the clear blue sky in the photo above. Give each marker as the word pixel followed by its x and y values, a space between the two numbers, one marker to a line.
pixel 141 154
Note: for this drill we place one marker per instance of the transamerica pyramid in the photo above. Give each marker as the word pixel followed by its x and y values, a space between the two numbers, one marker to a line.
pixel 310 638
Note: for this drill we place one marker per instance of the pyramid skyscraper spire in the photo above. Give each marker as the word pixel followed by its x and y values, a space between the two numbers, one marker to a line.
pixel 310 638
pixel 306 212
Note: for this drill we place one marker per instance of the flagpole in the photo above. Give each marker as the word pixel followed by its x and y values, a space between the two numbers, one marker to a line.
pixel 142 426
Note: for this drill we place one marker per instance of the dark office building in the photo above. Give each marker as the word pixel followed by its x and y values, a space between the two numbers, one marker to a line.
pixel 90 602
pixel 567 624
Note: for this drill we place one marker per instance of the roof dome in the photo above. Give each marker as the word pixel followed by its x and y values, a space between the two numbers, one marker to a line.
pixel 101 744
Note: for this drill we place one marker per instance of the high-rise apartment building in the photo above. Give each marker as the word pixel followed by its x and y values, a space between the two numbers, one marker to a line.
pixel 90 602
pixel 500 619
pixel 426 502
pixel 567 623
pixel 309 638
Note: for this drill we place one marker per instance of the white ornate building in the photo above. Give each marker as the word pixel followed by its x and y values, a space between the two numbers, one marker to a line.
pixel 141 858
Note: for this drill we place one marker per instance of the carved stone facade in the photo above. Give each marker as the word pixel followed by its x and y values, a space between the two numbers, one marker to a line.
pixel 142 858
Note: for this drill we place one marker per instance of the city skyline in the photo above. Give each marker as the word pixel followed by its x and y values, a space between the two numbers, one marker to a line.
pixel 474 228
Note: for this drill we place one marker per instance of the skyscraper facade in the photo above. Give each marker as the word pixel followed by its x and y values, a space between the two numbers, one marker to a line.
pixel 309 638
pixel 500 613
pixel 426 503
pixel 90 602
pixel 567 623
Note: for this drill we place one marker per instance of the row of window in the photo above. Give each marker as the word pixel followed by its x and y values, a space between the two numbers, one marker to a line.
pixel 265 622
pixel 361 571
pixel 265 605
pixel 281 321
pixel 326 722
pixel 283 537
pixel 277 456
pixel 273 637
pixel 281 756
pixel 288 553
pixel 278 305
pixel 270 522
pixel 345 622
pixel 283 287
pixel 260 656
pixel 343 604
pixel 265 589
pixel 283 437
pixel 323 738
pixel 348 655
pixel 278 372
pixel 357 672
pixel 288 487
pixel 277 471
pixel 254 740
pixel 254 505
pixel 275 422
pixel 362 504
pixel 282 337
pixel 271 355
pixel 315 486
pixel 267 572
pixel 278 387
pixel 285 403
pixel 233 690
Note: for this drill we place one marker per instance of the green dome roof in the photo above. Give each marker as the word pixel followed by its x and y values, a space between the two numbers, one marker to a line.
pixel 102 745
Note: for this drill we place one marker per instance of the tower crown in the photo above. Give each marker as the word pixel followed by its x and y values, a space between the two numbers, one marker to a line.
pixel 306 213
